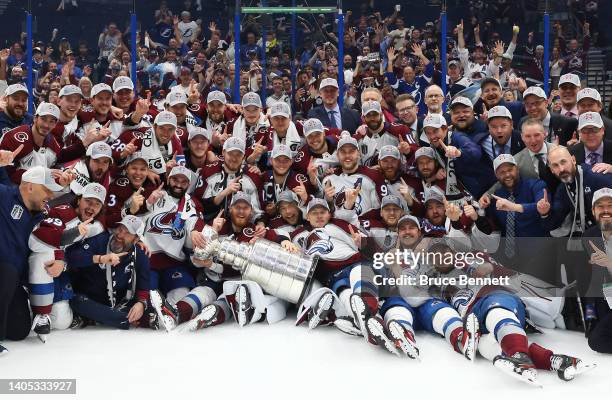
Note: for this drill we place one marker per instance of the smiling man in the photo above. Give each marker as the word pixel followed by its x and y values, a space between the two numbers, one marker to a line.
pixel 16 110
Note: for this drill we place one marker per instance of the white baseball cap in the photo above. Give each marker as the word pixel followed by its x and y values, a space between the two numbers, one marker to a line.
pixel 569 78
pixel 369 106
pixel 313 125
pixel 288 196
pixel 409 218
pixel 316 202
pixel 600 194
pixel 41 176
pixel 16 88
pixel 434 121
pixel 137 155
pixel 499 111
pixel 389 151
pixel 165 118
pixel 98 150
pixel 328 82
pixel 70 90
pixel 425 152
pixel 346 138
pixel 216 95
pixel 181 170
pixel 463 101
pixel 134 225
pixel 282 150
pixel 198 131
pixel 99 88
pixel 588 93
pixel 48 109
pixel 280 109
pixel 391 199
pixel 503 159
pixel 240 196
pixel 590 119
pixel 122 82
pixel 94 190
pixel 175 97
pixel 535 91
pixel 434 193
pixel 234 143
pixel 251 99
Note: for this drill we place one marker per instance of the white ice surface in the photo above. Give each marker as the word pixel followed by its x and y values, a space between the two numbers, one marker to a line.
pixel 281 362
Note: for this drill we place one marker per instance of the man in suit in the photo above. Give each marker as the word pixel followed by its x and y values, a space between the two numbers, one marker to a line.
pixel 598 272
pixel 500 138
pixel 557 126
pixel 592 148
pixel 407 113
pixel 590 100
pixel 330 113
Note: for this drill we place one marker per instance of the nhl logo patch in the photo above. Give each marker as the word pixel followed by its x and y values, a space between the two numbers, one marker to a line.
pixel 17 212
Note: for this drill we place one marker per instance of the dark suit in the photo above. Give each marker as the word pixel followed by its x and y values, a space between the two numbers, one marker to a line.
pixel 579 152
pixel 350 118
pixel 607 127
pixel 560 126
pixel 483 139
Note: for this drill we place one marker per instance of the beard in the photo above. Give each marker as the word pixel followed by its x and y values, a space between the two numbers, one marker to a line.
pixel 176 192
pixel 605 226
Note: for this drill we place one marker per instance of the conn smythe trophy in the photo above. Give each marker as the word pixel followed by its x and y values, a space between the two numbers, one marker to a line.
pixel 280 273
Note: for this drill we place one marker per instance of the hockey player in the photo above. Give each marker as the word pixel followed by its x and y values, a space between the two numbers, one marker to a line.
pixel 352 175
pixel 69 103
pixel 198 153
pixel 247 301
pixel 289 213
pixel 110 277
pixel 158 145
pixel 64 225
pixel 376 133
pixel 100 113
pixel 381 225
pixel 318 155
pixel 251 122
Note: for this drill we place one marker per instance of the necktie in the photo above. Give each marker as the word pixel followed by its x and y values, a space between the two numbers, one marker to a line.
pixel 569 114
pixel 510 234
pixel 541 165
pixel 332 119
pixel 593 158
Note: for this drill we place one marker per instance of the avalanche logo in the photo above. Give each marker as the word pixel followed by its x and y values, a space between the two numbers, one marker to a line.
pixel 319 242
pixel 163 224
pixel 341 198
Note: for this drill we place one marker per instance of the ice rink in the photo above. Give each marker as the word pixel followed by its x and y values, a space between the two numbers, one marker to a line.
pixel 280 362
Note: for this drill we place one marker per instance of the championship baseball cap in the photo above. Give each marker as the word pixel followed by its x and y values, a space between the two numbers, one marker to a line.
pixel 503 159
pixel 391 199
pixel 251 99
pixel 134 225
pixel 99 88
pixel 425 152
pixel 434 193
pixel 41 176
pixel 409 218
pixel 589 119
pixel 316 202
pixel 488 80
pixel 175 97
pixel 571 79
pixel 70 90
pixel 499 111
pixel 434 121
pixel 180 170
pixel 94 190
pixel 98 150
pixel 137 155
pixel 280 109
pixel 346 138
pixel 600 194
pixel 240 196
pixel 535 91
pixel 216 95
pixel 198 131
pixel 328 82
pixel 48 109
pixel 234 143
pixel 389 151
pixel 15 88
pixel 454 62
pixel 165 118
pixel 460 100
pixel 369 106
pixel 282 150
pixel 288 196
pixel 588 93
pixel 313 125
pixel 122 82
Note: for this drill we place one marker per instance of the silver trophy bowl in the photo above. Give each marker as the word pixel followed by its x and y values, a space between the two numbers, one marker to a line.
pixel 280 273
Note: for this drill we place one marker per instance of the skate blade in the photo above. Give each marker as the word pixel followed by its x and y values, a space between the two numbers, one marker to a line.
pixel 377 331
pixel 42 338
pixel 358 309
pixel 157 303
pixel 324 304
pixel 574 372
pixel 473 328
pixel 527 378
pixel 402 342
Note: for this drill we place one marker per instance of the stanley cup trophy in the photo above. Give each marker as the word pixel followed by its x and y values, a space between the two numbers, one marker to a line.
pixel 280 273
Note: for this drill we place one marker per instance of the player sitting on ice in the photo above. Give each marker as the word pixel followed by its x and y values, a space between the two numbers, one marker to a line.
pixel 502 314
pixel 416 308
pixel 221 283
pixel 50 287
